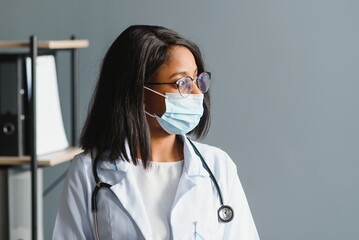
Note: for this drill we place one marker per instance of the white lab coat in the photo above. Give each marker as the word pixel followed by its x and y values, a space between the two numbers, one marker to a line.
pixel 121 212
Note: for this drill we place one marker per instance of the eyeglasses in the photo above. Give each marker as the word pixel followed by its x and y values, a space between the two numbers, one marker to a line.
pixel 185 84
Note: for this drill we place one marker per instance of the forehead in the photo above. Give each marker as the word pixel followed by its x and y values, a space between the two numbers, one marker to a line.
pixel 180 60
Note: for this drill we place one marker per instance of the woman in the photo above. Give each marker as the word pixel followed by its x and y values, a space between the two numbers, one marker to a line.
pixel 139 176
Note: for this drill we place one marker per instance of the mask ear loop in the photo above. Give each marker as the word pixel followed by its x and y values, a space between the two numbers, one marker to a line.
pixel 149 89
pixel 149 114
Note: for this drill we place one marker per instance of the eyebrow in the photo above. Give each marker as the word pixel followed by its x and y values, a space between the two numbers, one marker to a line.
pixel 181 73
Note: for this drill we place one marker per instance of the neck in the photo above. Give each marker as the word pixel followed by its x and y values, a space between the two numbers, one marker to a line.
pixel 166 148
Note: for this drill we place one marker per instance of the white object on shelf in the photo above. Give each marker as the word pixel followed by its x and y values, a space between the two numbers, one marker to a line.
pixel 19 190
pixel 50 131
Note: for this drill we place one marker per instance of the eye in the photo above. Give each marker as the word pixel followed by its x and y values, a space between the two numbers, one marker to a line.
pixel 181 83
pixel 184 86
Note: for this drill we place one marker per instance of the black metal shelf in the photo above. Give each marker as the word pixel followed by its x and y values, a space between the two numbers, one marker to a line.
pixel 50 159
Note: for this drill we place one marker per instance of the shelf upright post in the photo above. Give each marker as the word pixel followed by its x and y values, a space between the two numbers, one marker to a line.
pixel 73 93
pixel 33 154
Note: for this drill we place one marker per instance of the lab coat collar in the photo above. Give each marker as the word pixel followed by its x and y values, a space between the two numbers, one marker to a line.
pixel 118 165
pixel 112 171
pixel 192 162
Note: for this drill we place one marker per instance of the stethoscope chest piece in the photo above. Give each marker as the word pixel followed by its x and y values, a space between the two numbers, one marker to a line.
pixel 225 213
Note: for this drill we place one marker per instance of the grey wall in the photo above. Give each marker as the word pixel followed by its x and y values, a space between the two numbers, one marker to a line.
pixel 285 102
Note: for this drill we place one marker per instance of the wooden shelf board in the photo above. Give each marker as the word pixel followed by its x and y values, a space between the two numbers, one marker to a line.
pixel 51 44
pixel 50 159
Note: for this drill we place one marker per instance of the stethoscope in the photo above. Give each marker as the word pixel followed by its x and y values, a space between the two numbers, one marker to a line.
pixel 225 212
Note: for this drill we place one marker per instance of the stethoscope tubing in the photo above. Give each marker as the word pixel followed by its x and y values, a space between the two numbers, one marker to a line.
pixel 211 175
pixel 98 186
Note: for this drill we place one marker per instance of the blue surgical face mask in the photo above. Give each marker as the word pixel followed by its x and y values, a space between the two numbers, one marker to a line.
pixel 182 115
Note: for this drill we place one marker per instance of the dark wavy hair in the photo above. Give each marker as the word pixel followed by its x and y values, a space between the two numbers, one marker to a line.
pixel 116 119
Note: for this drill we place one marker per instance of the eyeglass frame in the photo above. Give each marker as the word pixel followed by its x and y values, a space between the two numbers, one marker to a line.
pixel 177 82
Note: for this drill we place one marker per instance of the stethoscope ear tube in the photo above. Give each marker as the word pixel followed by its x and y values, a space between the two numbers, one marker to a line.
pixel 94 215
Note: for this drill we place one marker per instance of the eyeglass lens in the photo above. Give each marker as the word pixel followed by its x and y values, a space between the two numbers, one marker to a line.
pixel 185 84
pixel 203 82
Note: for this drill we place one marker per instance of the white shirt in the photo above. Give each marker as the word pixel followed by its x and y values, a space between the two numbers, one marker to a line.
pixel 158 185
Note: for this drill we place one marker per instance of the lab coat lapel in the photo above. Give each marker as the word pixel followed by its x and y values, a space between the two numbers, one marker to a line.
pixel 193 171
pixel 192 180
pixel 128 194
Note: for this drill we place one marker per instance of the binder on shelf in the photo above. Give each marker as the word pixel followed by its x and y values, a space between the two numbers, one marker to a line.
pixel 12 106
pixel 15 89
pixel 50 129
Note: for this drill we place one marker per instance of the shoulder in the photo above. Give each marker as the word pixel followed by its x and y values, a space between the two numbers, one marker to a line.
pixel 80 167
pixel 208 149
pixel 82 160
pixel 218 160
pixel 222 166
pixel 214 155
